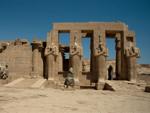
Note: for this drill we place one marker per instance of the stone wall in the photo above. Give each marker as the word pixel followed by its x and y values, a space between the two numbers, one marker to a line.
pixel 143 69
pixel 18 57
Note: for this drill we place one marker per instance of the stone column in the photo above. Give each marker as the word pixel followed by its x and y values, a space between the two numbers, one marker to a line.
pixel 131 54
pixel 132 72
pixel 35 58
pixel 100 53
pixel 75 60
pixel 60 58
pixel 101 67
pixel 56 43
pixel 118 56
pixel 51 53
pixel 76 55
pixel 50 66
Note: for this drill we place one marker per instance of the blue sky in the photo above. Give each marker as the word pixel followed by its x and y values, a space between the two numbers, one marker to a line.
pixel 33 18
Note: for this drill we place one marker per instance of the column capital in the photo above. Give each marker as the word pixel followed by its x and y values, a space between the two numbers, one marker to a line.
pixel 36 44
pixel 35 58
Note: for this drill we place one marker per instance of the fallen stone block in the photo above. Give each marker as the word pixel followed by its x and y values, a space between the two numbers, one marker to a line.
pixel 108 87
pixel 147 88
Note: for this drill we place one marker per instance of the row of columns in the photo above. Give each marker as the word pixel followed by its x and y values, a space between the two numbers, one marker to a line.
pixel 100 53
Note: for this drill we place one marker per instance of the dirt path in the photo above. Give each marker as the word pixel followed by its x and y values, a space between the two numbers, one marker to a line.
pixel 50 100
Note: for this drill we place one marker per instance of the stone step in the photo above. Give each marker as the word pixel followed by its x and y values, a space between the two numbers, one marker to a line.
pixel 13 83
pixel 121 85
pixel 39 83
pixel 26 83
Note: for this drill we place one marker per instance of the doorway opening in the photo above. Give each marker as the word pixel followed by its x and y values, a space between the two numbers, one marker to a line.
pixel 66 61
pixel 110 72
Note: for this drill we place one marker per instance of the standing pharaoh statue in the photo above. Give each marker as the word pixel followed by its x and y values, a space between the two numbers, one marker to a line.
pixel 131 53
pixel 51 53
pixel 76 59
pixel 100 60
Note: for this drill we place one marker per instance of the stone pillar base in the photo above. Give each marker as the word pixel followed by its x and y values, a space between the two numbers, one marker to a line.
pixel 34 75
pixel 100 85
pixel 133 81
pixel 77 83
pixel 51 82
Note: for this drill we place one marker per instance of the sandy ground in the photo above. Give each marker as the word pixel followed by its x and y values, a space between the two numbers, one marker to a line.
pixel 127 99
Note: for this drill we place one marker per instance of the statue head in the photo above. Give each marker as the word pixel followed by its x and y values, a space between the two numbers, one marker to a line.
pixel 75 39
pixel 100 38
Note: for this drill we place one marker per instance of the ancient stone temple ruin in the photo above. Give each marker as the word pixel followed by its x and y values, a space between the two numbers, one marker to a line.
pixel 47 60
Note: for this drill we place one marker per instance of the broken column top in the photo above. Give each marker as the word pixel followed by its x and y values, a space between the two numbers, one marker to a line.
pixel 37 43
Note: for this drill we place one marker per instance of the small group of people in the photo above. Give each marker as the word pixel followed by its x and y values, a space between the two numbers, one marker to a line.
pixel 69 80
pixel 4 72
